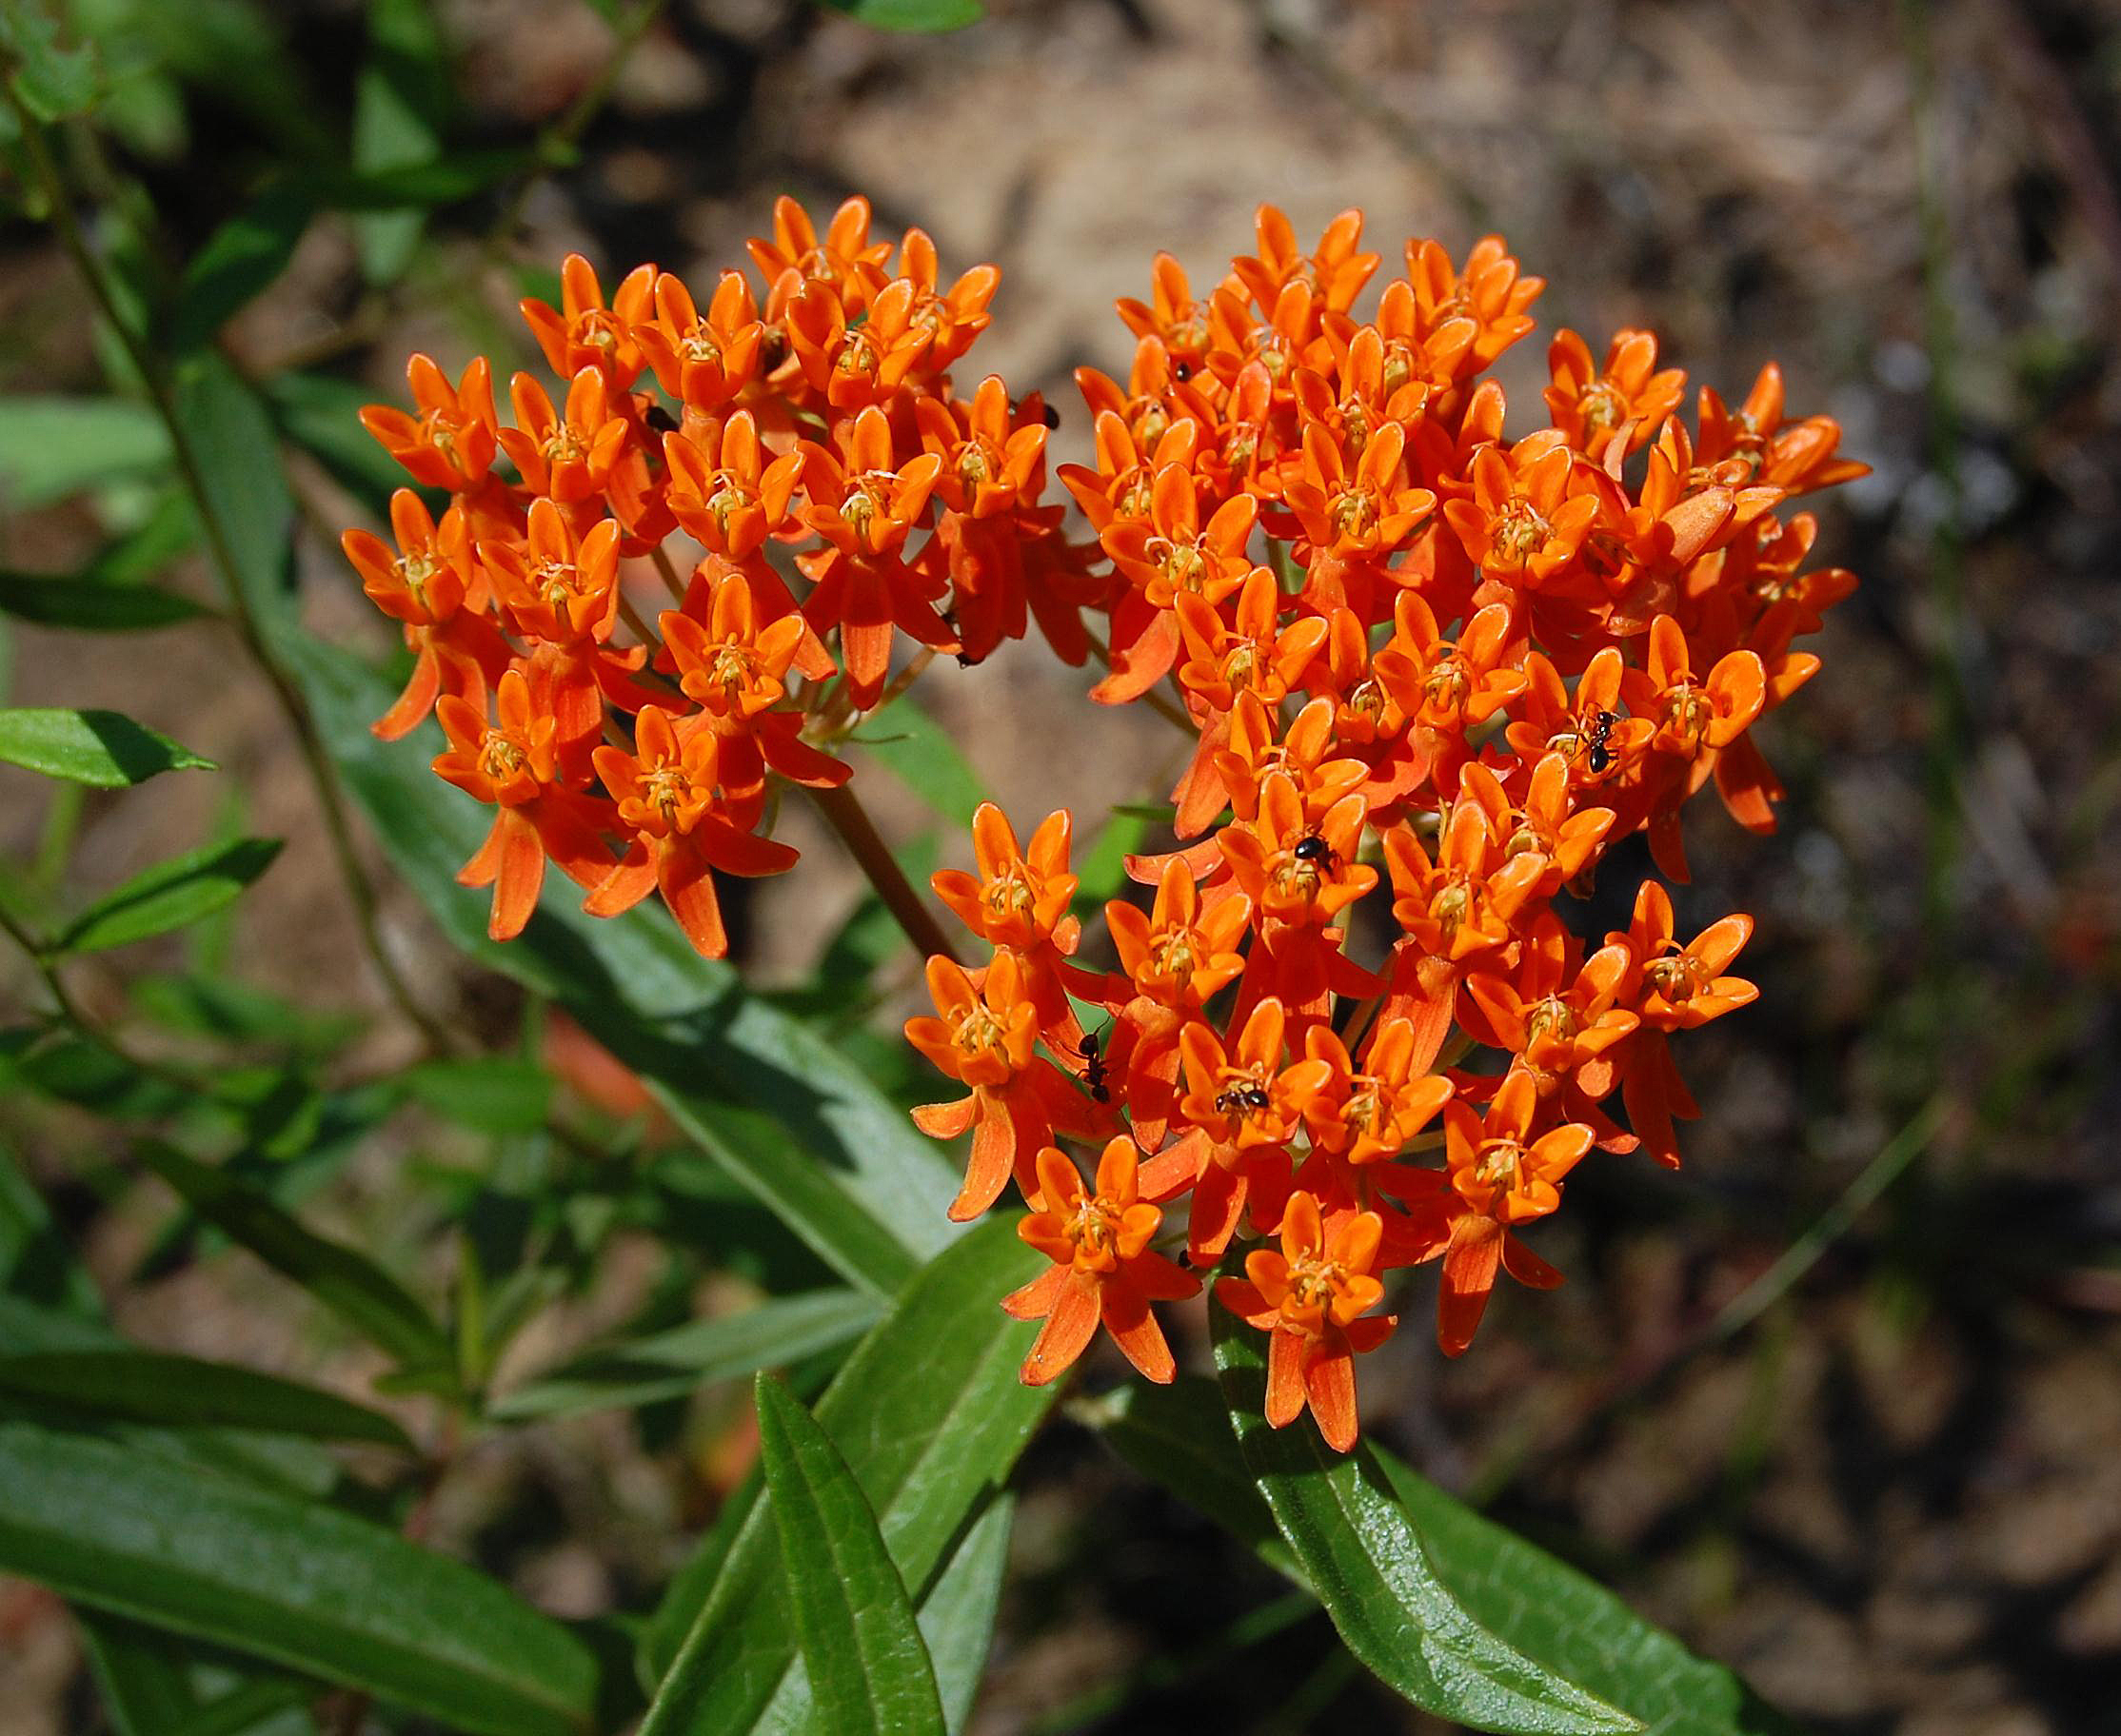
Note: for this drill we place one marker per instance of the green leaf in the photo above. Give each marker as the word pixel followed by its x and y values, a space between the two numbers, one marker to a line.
pixel 279 1578
pixel 957 1618
pixel 103 749
pixel 185 1392
pixel 351 1286
pixel 1366 1564
pixel 247 495
pixel 930 1416
pixel 82 604
pixel 492 1093
pixel 769 1099
pixel 668 1365
pixel 169 894
pixel 868 1666
pixel 238 262
pixel 918 16
pixel 36 1263
pixel 53 447
pixel 149 1684
pixel 52 81
pixel 913 746
pixel 401 98
pixel 1180 1436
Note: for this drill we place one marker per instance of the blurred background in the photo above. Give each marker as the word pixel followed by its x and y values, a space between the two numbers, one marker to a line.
pixel 1838 1402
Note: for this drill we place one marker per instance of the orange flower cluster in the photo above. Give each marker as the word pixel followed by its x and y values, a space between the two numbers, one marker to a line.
pixel 1468 666
pixel 809 438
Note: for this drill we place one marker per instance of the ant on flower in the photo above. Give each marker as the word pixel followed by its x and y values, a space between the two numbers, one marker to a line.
pixel 1599 757
pixel 1094 1074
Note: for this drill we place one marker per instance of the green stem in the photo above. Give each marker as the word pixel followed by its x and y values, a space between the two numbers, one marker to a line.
pixel 845 815
pixel 361 894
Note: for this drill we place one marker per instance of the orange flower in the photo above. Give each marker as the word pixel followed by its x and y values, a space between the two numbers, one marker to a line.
pixel 703 360
pixel 984 1039
pixel 1371 1114
pixel 1173 317
pixel 866 508
pixel 583 333
pixel 1587 729
pixel 1503 1177
pixel 952 318
pixel 513 764
pixel 565 459
pixel 854 366
pixel 1549 824
pixel 1171 554
pixel 1692 715
pixel 1368 513
pixel 451 444
pixel 664 790
pixel 1314 1297
pixel 723 490
pixel 1334 271
pixel 1179 956
pixel 1522 524
pixel 1258 658
pixel 1489 294
pixel 1017 901
pixel 455 649
pixel 1628 396
pixel 1295 870
pixel 1103 1268
pixel 987 466
pixel 1554 1024
pixel 736 672
pixel 795 245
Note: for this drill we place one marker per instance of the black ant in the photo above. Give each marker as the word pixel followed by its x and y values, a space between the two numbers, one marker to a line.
pixel 1599 758
pixel 1247 1097
pixel 1182 371
pixel 1311 848
pixel 1094 1074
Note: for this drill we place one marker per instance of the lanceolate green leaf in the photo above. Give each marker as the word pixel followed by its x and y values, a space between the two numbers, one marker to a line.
pixel 103 749
pixel 957 1618
pixel 246 494
pixel 929 1416
pixel 1180 1436
pixel 169 894
pixel 921 15
pixel 1366 1564
pixel 400 99
pixel 769 1099
pixel 868 1668
pixel 237 262
pixel 52 448
pixel 351 1286
pixel 292 1581
pixel 668 1365
pixel 183 1391
pixel 86 604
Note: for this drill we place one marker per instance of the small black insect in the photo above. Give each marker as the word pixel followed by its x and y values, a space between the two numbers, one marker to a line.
pixel 1182 371
pixel 1242 1098
pixel 1311 848
pixel 1255 1098
pixel 1094 1074
pixel 1048 415
pixel 1599 757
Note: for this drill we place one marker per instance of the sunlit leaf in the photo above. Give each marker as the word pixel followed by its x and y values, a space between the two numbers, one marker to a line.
pixel 868 1666
pixel 917 15
pixel 1364 1560
pixel 169 894
pixel 1180 1436
pixel 929 1415
pixel 276 1577
pixel 101 749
